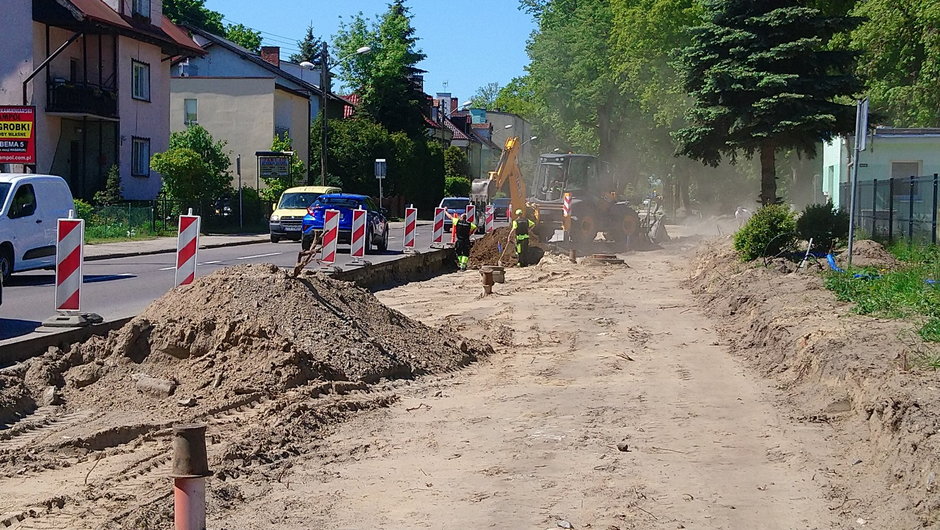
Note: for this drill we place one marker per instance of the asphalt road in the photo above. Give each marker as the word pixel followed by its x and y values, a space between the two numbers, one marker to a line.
pixel 122 287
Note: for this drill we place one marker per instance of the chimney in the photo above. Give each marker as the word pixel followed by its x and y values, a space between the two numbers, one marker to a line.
pixel 271 54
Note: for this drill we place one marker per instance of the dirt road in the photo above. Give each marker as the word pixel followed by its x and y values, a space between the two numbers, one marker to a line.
pixel 588 358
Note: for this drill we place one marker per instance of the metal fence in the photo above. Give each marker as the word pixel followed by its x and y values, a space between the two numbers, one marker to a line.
pixel 896 209
pixel 159 216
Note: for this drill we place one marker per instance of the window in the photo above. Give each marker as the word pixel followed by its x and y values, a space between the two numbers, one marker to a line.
pixel 24 202
pixel 140 157
pixel 189 112
pixel 140 80
pixel 901 172
pixel 141 8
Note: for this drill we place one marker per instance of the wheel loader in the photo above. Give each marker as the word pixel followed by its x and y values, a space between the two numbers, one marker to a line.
pixel 595 204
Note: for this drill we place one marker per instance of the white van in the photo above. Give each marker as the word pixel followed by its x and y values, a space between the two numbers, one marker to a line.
pixel 29 207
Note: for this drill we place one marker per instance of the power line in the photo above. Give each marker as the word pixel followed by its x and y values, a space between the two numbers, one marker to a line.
pixel 288 39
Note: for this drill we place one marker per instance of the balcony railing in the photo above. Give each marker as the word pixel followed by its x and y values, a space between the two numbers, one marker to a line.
pixel 82 99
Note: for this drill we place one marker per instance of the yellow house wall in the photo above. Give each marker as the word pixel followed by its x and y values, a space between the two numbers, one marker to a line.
pixel 239 111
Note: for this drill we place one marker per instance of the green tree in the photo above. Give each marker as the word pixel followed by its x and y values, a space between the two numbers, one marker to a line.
pixel 901 59
pixel 385 78
pixel 761 80
pixel 309 48
pixel 571 75
pixel 213 152
pixel 111 194
pixel 186 177
pixel 485 97
pixel 457 186
pixel 244 36
pixel 353 146
pixel 195 184
pixel 194 12
pixel 456 163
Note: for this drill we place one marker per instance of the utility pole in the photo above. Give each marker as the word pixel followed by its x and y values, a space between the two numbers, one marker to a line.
pixel 324 90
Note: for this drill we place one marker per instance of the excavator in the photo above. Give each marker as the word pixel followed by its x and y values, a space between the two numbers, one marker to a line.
pixel 595 207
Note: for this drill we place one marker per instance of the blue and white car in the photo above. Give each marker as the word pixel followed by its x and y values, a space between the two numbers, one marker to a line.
pixel 376 222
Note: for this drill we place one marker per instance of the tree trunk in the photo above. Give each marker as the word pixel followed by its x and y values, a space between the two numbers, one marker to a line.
pixel 768 174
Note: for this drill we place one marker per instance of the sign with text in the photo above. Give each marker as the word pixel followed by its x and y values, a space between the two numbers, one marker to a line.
pixel 274 166
pixel 17 134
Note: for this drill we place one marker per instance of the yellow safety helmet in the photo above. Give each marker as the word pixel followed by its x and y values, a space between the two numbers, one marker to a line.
pixel 518 212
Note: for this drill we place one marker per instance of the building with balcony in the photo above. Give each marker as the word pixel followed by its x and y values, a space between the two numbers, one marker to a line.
pixel 98 73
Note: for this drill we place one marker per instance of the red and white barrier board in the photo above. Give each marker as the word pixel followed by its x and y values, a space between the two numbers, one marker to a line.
pixel 566 206
pixel 472 213
pixel 358 243
pixel 438 233
pixel 411 223
pixel 69 255
pixel 489 220
pixel 330 235
pixel 187 246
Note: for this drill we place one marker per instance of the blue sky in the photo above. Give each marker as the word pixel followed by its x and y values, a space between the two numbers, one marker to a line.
pixel 468 44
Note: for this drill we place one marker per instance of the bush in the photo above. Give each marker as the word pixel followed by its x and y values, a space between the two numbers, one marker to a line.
pixel 83 210
pixel 825 225
pixel 111 194
pixel 767 233
pixel 456 187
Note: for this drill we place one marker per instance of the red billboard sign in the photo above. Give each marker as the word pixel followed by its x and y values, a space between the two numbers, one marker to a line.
pixel 17 134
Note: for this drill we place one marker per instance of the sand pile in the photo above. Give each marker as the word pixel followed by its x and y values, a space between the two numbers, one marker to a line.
pixel 868 253
pixel 488 249
pixel 243 330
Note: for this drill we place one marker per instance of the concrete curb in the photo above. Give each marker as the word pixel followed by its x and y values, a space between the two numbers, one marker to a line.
pixel 115 255
pixel 418 266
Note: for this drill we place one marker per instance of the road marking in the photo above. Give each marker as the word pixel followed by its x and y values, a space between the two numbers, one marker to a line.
pixel 167 268
pixel 261 255
pixel 209 262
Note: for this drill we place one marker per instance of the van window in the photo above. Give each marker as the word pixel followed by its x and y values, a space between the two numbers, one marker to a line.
pixel 297 200
pixel 24 202
pixel 4 190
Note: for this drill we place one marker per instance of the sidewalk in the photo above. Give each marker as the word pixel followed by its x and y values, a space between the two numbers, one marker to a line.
pixel 162 245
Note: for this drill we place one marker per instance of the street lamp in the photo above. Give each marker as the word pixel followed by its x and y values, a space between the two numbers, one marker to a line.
pixel 324 90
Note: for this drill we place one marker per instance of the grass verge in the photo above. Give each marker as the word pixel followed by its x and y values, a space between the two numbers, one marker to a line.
pixel 910 292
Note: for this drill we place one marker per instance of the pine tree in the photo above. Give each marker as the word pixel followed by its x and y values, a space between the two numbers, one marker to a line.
pixel 762 79
pixel 309 48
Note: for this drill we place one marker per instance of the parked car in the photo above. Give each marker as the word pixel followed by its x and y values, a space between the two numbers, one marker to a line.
pixel 455 206
pixel 287 218
pixel 30 204
pixel 501 207
pixel 376 222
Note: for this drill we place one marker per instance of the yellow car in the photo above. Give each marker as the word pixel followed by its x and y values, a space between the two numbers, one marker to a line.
pixel 291 207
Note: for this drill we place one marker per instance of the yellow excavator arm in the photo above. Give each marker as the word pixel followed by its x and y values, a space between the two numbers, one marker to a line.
pixel 506 171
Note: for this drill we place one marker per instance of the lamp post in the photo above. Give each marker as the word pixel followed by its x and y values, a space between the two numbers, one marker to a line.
pixel 324 91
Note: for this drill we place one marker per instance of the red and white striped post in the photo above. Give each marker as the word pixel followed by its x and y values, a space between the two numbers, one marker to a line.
pixel 489 220
pixel 472 213
pixel 358 238
pixel 69 255
pixel 438 233
pixel 411 223
pixel 330 236
pixel 187 247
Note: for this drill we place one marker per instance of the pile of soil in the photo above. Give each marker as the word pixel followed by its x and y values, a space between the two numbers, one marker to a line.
pixel 857 373
pixel 868 253
pixel 488 249
pixel 244 330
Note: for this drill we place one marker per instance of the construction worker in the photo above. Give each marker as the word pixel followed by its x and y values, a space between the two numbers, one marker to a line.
pixel 520 226
pixel 461 231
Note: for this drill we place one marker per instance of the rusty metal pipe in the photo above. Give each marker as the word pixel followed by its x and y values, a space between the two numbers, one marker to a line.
pixel 190 469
